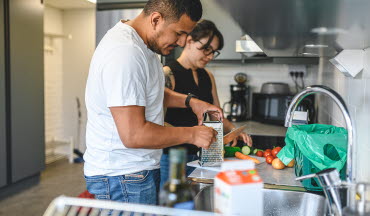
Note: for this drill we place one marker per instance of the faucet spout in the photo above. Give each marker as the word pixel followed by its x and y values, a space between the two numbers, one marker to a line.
pixel 350 175
pixel 330 181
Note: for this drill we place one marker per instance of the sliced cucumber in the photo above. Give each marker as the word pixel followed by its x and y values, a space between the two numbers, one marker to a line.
pixel 255 151
pixel 246 150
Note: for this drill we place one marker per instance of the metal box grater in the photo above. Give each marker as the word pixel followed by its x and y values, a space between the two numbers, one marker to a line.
pixel 214 155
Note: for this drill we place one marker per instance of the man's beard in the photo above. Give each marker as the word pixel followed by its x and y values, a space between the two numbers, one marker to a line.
pixel 153 45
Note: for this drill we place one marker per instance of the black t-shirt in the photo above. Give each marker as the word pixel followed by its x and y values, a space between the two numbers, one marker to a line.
pixel 185 83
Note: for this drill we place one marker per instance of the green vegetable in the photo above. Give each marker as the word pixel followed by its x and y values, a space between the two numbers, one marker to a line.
pixel 255 150
pixel 246 150
pixel 230 151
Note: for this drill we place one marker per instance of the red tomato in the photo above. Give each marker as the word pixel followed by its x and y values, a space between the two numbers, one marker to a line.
pixel 275 151
pixel 267 153
pixel 268 150
pixel 259 153
pixel 269 159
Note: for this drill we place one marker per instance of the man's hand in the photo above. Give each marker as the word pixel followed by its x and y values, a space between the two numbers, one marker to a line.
pixel 200 107
pixel 246 139
pixel 203 136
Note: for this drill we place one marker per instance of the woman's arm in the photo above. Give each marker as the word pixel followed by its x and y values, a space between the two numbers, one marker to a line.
pixel 169 78
pixel 228 126
pixel 174 99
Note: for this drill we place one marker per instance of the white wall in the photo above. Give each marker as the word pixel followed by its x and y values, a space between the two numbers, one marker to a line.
pixel 257 75
pixel 66 69
pixel 356 93
pixel 77 55
pixel 53 69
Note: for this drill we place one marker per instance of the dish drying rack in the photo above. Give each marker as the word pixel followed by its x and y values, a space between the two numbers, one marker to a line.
pixel 70 206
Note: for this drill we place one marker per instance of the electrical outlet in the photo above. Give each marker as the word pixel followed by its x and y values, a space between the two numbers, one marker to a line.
pixel 297 69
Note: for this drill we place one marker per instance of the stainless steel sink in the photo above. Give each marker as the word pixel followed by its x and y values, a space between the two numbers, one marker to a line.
pixel 276 202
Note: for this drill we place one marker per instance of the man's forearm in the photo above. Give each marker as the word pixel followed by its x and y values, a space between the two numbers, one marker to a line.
pixel 153 136
pixel 136 132
pixel 174 99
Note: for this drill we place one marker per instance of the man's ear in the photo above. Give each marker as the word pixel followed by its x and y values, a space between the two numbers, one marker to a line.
pixel 156 19
pixel 189 39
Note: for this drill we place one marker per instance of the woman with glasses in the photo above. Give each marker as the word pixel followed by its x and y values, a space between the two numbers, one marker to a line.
pixel 188 75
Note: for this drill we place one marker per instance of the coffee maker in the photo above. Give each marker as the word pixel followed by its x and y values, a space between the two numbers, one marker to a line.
pixel 240 98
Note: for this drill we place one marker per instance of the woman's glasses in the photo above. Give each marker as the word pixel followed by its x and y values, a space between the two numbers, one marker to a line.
pixel 208 50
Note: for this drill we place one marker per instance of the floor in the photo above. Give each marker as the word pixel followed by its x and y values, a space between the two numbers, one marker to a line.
pixel 60 178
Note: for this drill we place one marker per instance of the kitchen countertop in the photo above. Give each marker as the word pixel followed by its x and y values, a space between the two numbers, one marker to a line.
pixel 257 128
pixel 270 176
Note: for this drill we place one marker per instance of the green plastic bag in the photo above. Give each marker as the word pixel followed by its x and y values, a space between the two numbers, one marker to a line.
pixel 315 147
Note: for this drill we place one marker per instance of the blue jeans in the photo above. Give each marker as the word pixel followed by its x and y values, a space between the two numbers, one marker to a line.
pixel 165 167
pixel 141 187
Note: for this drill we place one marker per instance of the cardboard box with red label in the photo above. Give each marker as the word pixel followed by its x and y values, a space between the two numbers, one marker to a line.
pixel 238 189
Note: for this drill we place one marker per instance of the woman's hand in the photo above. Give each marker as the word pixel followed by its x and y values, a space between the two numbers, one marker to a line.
pixel 245 137
pixel 200 107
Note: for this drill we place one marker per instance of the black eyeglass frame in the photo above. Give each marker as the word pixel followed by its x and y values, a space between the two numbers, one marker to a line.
pixel 215 53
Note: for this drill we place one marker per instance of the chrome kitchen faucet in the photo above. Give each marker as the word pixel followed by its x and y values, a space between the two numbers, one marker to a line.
pixel 331 194
pixel 350 172
pixel 331 183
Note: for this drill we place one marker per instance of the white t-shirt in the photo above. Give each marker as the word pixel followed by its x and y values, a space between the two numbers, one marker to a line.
pixel 123 72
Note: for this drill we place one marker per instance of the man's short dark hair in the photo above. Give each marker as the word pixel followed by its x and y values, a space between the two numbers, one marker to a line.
pixel 172 10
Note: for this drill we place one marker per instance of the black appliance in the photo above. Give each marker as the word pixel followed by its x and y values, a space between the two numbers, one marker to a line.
pixel 239 109
pixel 272 108
pixel 264 142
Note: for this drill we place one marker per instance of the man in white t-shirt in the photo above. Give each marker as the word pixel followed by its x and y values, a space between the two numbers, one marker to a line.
pixel 125 95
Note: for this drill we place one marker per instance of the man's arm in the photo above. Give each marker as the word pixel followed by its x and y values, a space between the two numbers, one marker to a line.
pixel 174 99
pixel 136 132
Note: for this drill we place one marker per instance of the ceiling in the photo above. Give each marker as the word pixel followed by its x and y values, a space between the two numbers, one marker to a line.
pixel 69 4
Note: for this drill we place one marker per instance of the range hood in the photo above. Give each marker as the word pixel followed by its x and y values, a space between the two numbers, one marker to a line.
pixel 247 47
pixel 304 28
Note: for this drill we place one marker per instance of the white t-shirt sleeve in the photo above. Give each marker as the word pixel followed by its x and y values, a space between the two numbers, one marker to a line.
pixel 124 77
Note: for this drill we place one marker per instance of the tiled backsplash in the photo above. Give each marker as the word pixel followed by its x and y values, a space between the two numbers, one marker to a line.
pixel 257 75
pixel 356 93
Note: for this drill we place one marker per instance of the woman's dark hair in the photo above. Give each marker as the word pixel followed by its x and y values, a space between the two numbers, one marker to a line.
pixel 206 28
pixel 173 9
